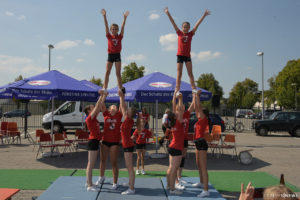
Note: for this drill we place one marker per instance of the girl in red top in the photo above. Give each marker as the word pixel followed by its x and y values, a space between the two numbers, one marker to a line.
pixel 110 142
pixel 186 121
pixel 184 48
pixel 201 145
pixel 140 135
pixel 146 117
pixel 94 138
pixel 114 49
pixel 177 144
pixel 127 142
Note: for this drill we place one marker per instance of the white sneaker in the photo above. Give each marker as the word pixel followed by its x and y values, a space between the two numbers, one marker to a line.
pixel 182 181
pixel 203 194
pixel 86 185
pixel 92 189
pixel 179 187
pixel 129 191
pixel 100 180
pixel 143 172
pixel 175 192
pixel 197 185
pixel 137 172
pixel 194 91
pixel 114 186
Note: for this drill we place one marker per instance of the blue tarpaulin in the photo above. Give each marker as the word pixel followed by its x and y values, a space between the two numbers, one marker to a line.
pixel 155 86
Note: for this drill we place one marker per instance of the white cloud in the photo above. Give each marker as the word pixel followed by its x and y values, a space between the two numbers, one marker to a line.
pixel 89 42
pixel 154 16
pixel 135 57
pixel 66 44
pixel 22 17
pixel 205 55
pixel 8 13
pixel 79 60
pixel 168 42
pixel 59 57
pixel 18 65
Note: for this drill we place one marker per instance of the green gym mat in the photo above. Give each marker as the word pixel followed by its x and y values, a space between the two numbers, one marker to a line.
pixel 224 181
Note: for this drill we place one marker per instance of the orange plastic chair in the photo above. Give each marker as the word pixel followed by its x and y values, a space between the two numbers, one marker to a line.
pixel 45 142
pixel 60 142
pixel 3 130
pixel 38 132
pixel 216 129
pixel 229 143
pixel 13 132
pixel 212 145
pixel 7 193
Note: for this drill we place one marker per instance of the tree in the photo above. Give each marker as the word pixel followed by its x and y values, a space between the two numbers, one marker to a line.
pixel 285 91
pixel 18 101
pixel 132 72
pixel 244 94
pixel 208 82
pixel 96 81
pixel 269 95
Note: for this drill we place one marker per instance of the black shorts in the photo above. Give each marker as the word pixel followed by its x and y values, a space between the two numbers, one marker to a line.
pixel 114 57
pixel 129 149
pixel 186 143
pixel 182 59
pixel 174 152
pixel 201 144
pixel 140 146
pixel 93 145
pixel 109 144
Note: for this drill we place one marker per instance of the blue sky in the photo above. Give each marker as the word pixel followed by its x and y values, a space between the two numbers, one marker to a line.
pixel 225 43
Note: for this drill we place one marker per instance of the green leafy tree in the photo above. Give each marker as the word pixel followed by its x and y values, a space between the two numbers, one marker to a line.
pixel 132 72
pixel 285 82
pixel 269 95
pixel 244 94
pixel 96 81
pixel 208 82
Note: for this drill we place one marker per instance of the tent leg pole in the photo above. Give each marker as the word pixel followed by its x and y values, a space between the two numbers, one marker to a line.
pixel 156 124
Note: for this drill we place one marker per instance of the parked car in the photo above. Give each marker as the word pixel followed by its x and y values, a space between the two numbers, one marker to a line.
pixel 279 121
pixel 214 118
pixel 16 113
pixel 243 112
pixel 69 115
pixel 268 113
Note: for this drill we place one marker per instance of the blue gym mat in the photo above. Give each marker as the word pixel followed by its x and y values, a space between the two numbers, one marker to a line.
pixel 190 193
pixel 145 189
pixel 69 187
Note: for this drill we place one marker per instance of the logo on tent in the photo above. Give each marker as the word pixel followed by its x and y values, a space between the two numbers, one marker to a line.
pixel 160 84
pixel 39 82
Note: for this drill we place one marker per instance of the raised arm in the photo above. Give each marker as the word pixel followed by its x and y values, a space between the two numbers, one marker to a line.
pixel 192 106
pixel 124 21
pixel 171 19
pixel 123 107
pixel 207 12
pixel 174 101
pixel 99 106
pixel 198 106
pixel 103 12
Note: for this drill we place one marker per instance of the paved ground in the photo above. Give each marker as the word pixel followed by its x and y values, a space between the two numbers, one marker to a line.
pixel 275 154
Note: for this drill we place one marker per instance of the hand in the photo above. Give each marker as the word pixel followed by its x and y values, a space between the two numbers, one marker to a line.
pixel 166 10
pixel 126 13
pixel 207 12
pixel 103 12
pixel 199 92
pixel 101 92
pixel 248 195
pixel 120 93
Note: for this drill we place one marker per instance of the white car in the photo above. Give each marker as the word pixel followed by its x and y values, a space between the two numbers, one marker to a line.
pixel 69 115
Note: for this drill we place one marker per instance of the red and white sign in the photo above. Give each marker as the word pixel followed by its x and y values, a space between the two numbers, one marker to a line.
pixel 39 82
pixel 160 84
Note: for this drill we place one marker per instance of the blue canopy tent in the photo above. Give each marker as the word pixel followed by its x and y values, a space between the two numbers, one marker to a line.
pixel 50 85
pixel 155 87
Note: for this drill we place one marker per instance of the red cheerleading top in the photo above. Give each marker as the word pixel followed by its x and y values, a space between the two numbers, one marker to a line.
pixel 94 128
pixel 184 43
pixel 145 117
pixel 112 126
pixel 178 136
pixel 126 133
pixel 200 127
pixel 141 137
pixel 186 123
pixel 114 43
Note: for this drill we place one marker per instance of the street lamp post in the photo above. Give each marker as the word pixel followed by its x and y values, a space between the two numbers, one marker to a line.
pixel 262 82
pixel 296 104
pixel 50 46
